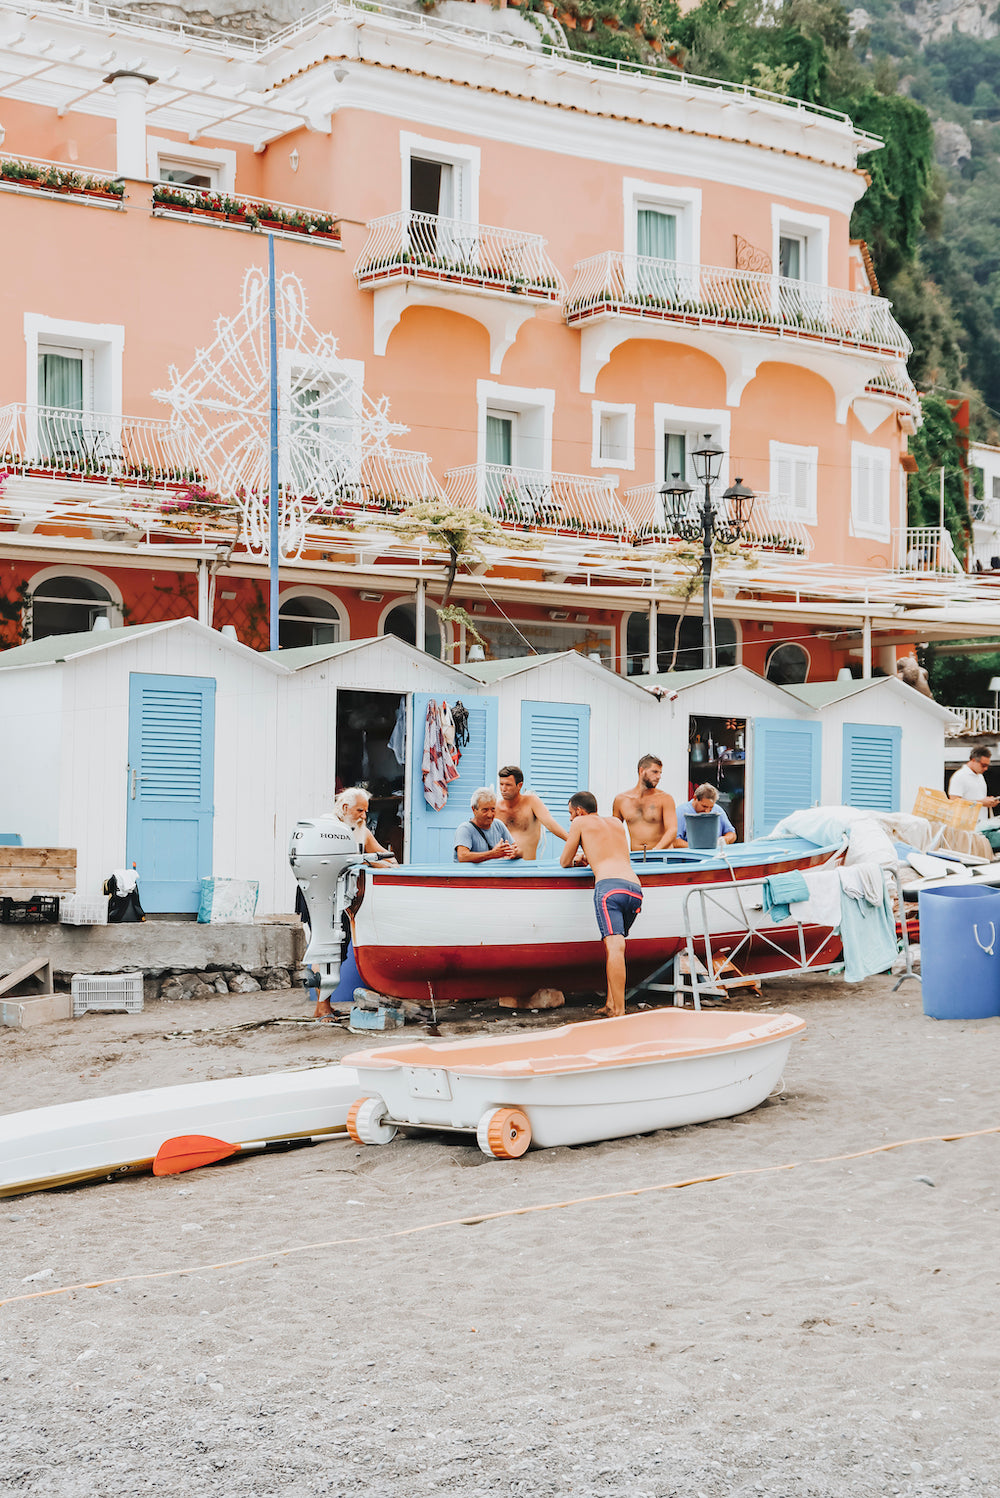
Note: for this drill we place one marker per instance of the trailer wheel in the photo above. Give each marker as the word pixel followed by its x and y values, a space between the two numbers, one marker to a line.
pixel 366 1122
pixel 504 1133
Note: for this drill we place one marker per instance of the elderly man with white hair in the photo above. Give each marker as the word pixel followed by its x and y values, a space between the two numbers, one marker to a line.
pixel 351 808
pixel 483 837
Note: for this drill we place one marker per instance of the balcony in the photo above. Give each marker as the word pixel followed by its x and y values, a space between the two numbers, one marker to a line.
pixel 496 276
pixel 926 551
pixel 731 311
pixel 975 722
pixel 772 526
pixel 89 468
pixel 204 205
pixel 530 499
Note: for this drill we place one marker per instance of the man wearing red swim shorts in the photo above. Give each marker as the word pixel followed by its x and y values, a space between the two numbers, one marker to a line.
pixel 617 892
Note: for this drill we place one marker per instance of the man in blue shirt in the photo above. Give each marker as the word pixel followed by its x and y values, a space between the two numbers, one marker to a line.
pixel 483 837
pixel 705 798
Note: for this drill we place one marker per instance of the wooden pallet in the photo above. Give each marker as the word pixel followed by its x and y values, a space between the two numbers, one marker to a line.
pixel 37 871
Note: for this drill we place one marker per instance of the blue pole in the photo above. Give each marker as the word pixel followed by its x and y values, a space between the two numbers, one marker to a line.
pixel 272 338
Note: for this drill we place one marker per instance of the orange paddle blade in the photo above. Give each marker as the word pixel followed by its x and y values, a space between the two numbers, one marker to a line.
pixel 188 1151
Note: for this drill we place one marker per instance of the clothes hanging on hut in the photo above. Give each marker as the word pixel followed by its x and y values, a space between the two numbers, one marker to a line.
pixel 397 739
pixel 438 766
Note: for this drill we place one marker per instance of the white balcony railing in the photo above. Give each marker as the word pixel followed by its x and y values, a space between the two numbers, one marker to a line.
pixel 895 382
pixel 926 549
pixel 325 477
pixel 95 445
pixel 425 247
pixel 708 295
pixel 771 527
pixel 976 720
pixel 530 499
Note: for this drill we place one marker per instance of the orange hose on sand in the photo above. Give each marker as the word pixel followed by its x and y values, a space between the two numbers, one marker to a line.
pixel 451 1222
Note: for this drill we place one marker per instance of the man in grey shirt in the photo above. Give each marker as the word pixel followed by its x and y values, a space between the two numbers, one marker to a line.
pixel 483 837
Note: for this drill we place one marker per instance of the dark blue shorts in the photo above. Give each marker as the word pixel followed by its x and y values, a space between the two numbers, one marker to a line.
pixel 617 903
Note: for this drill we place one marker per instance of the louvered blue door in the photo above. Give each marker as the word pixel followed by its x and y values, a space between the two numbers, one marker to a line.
pixel 432 833
pixel 785 770
pixel 872 753
pixel 171 756
pixel 555 758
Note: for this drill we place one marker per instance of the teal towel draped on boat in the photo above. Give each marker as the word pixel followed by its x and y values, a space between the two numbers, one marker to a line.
pixel 781 891
pixel 869 936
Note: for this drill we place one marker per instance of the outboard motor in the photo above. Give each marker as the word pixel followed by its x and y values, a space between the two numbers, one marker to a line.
pixel 326 861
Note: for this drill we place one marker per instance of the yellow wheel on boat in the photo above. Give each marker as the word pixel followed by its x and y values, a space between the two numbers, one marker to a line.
pixel 504 1133
pixel 366 1122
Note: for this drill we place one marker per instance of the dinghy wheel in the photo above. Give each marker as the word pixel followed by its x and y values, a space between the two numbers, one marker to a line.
pixel 504 1133
pixel 366 1122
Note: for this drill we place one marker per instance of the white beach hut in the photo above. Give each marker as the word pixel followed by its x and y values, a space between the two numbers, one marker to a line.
pixel 152 744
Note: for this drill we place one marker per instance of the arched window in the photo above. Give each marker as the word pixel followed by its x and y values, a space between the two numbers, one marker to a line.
pixel 63 605
pixel 787 665
pixel 307 619
pixel 688 642
pixel 401 621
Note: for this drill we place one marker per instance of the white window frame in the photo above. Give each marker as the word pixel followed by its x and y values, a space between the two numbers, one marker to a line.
pixel 305 590
pixel 87 574
pixel 221 164
pixel 873 458
pixel 505 400
pixel 693 424
pixel 814 230
pixel 106 343
pixel 685 202
pixel 608 408
pixel 790 453
pixel 461 158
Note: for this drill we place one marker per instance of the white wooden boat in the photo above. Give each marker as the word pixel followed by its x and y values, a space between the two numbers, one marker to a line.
pixel 601 1079
pixel 469 931
pixel 120 1135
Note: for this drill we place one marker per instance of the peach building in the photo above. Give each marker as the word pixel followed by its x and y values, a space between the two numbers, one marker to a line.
pixel 534 286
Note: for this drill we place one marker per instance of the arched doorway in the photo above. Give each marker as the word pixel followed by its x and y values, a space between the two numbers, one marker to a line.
pixel 787 665
pixel 67 605
pixel 401 621
pixel 307 619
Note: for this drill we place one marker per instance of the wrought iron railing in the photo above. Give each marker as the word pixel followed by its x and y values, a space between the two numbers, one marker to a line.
pixel 889 381
pixel 709 295
pixel 237 208
pixel 95 445
pixel 425 247
pixel 531 499
pixel 926 549
pixel 772 525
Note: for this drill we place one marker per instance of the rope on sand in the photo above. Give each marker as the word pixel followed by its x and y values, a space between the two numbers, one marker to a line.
pixel 451 1222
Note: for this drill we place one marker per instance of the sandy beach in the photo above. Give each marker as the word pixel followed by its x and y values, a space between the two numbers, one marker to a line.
pixel 827 1331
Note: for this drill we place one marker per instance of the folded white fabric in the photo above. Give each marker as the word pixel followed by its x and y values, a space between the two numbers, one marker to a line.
pixel 868 843
pixel 864 881
pixel 823 905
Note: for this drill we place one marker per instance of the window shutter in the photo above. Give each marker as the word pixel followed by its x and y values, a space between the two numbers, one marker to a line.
pixel 871 766
pixel 555 754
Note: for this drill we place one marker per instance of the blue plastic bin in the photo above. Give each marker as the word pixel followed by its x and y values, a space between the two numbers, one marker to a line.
pixel 960 951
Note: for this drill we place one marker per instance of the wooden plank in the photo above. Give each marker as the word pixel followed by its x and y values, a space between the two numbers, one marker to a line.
pixel 37 858
pixel 36 967
pixel 36 881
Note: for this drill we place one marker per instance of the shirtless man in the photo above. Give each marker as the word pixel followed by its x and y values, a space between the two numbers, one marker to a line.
pixel 649 814
pixel 617 892
pixel 524 813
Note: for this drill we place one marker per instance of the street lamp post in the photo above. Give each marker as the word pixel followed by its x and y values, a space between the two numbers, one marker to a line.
pixel 705 521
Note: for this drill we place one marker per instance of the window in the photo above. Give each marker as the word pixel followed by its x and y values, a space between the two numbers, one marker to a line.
pixel 787 665
pixel 800 245
pixel 996 486
pixel 188 165
pixel 792 256
pixel 76 368
pixel 794 479
pixel 65 605
pixel 500 437
pixel 674 456
pixel 679 432
pixel 401 621
pixel 319 451
pixel 187 174
pixel 678 643
pixel 870 486
pixel 307 620
pixel 662 222
pixel 440 178
pixel 613 436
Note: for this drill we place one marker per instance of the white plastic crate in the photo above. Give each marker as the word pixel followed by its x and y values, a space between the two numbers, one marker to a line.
pixel 84 910
pixel 107 991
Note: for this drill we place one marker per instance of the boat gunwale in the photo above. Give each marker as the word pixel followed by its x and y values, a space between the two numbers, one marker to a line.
pixel 379 1060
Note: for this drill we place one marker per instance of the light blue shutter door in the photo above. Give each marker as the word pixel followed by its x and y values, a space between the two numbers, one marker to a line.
pixel 872 753
pixel 555 758
pixel 785 770
pixel 171 752
pixel 432 833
